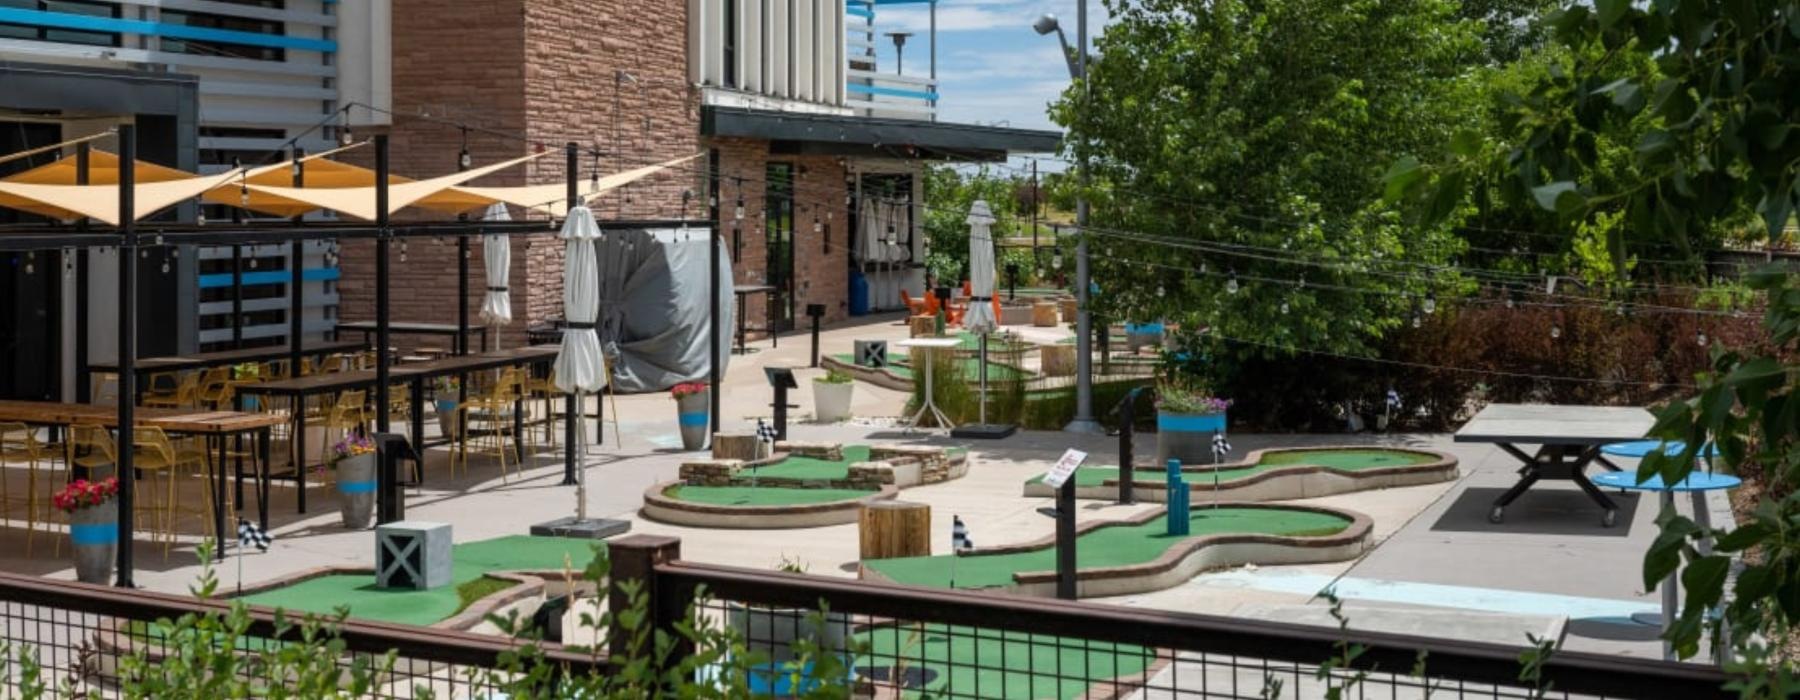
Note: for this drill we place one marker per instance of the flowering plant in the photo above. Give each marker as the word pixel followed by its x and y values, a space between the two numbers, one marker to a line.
pixel 1173 397
pixel 353 445
pixel 685 389
pixel 247 370
pixel 85 494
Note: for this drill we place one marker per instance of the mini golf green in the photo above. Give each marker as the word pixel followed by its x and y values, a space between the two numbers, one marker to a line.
pixel 1117 545
pixel 761 495
pixel 1346 460
pixel 472 560
pixel 813 468
pixel 971 367
pixel 1020 666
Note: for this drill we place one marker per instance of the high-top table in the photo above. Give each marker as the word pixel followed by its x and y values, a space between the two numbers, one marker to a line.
pixel 459 341
pixel 215 426
pixel 1568 439
pixel 929 404
pixel 1695 485
pixel 204 360
pixel 415 374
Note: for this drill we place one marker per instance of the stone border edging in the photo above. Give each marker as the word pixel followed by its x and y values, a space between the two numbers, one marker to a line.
pixel 1283 483
pixel 664 509
pixel 1188 557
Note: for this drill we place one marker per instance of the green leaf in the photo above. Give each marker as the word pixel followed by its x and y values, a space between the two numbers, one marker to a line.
pixel 1704 581
pixel 1465 143
pixel 1551 196
pixel 1611 11
pixel 1743 537
pixel 1662 559
pixel 1444 199
pixel 1400 177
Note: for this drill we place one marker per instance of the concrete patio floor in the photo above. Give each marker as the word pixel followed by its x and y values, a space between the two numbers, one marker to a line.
pixel 1550 569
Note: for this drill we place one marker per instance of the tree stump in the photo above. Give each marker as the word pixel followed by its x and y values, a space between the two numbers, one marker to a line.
pixel 1043 314
pixel 1071 308
pixel 923 326
pixel 890 529
pixel 1057 360
pixel 740 446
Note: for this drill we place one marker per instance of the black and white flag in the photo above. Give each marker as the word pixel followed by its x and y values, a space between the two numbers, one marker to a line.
pixel 1393 399
pixel 249 535
pixel 959 536
pixel 765 432
pixel 1220 446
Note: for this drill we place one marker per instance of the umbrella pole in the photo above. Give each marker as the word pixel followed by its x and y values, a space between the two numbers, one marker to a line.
pixel 580 469
pixel 984 377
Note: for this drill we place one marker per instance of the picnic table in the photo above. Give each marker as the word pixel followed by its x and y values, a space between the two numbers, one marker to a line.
pixel 458 340
pixel 214 426
pixel 1696 485
pixel 1569 438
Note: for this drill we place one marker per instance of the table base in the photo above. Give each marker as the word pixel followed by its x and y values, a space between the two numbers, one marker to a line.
pixel 1550 462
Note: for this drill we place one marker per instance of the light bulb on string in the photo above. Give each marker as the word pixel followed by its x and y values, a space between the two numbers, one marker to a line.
pixel 1159 290
pixel 30 262
pixel 1700 338
pixel 1284 307
pixel 402 250
pixel 738 212
pixel 1056 261
pixel 463 159
pixel 1231 285
pixel 1416 321
pixel 817 226
pixel 1430 304
pixel 1555 332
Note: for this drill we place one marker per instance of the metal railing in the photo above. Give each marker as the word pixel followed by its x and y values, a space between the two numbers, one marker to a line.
pixel 954 644
pixel 82 636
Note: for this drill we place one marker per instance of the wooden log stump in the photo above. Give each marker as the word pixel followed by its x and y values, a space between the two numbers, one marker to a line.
pixel 1043 314
pixel 890 529
pixel 739 446
pixel 1070 309
pixel 1057 360
pixel 923 326
pixel 1015 314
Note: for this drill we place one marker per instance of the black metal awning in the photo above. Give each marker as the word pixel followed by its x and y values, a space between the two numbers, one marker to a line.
pixel 850 135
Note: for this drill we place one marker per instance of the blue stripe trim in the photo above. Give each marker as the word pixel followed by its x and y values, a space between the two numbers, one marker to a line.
pixel 89 23
pixel 691 418
pixel 1190 424
pixel 862 12
pixel 311 274
pixel 1144 327
pixel 890 92
pixel 356 486
pixel 96 533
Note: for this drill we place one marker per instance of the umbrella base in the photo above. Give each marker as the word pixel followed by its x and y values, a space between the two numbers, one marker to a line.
pixel 590 529
pixel 984 431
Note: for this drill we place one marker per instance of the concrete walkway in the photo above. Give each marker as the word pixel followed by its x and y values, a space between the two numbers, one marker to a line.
pixel 1550 569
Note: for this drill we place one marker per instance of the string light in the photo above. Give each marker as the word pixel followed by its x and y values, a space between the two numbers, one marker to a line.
pixel 463 159
pixel 1231 285
pixel 1555 332
pixel 1430 304
pixel 1284 307
pixel 1700 338
pixel 30 262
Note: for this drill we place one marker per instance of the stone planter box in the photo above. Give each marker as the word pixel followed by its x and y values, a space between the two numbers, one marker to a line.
pixel 1187 436
pixel 1015 314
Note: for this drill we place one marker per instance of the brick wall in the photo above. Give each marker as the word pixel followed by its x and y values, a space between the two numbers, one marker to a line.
pixel 821 274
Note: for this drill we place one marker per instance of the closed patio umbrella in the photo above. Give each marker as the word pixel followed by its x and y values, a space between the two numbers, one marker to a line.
pixel 496 259
pixel 579 366
pixel 980 316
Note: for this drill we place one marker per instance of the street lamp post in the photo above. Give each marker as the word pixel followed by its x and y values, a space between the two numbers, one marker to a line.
pixel 1084 343
pixel 899 51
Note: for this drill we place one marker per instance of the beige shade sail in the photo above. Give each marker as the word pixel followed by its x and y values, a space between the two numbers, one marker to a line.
pixel 50 190
pixel 359 202
pixel 552 198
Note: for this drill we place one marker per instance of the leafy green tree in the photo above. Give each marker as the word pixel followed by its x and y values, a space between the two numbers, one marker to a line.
pixel 948 194
pixel 1718 147
pixel 1253 136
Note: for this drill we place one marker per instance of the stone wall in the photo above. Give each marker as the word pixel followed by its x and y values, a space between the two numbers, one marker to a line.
pixel 933 463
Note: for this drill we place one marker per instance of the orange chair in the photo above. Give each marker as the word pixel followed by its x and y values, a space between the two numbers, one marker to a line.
pixel 915 306
pixel 968 288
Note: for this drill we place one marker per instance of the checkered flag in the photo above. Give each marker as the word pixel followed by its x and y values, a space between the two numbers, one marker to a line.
pixel 765 432
pixel 249 535
pixel 1220 446
pixel 1393 399
pixel 959 535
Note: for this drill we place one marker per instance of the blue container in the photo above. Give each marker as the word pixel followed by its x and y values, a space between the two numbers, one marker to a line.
pixel 859 293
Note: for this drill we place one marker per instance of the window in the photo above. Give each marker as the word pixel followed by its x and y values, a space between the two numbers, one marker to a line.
pixel 731 30
pixel 223 48
pixel 86 8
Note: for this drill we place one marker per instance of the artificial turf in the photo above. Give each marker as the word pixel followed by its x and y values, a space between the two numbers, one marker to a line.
pixel 970 662
pixel 761 495
pixel 1118 545
pixel 1348 460
pixel 471 560
pixel 814 469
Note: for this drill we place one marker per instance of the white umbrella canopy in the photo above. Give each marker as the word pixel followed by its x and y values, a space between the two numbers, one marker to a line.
pixel 980 316
pixel 580 366
pixel 496 259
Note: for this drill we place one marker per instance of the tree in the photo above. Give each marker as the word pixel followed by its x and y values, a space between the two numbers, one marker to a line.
pixel 1718 147
pixel 1252 136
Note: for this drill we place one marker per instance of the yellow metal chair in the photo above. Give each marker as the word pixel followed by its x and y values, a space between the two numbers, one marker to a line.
pixel 486 419
pixel 215 388
pixel 155 454
pixel 19 445
pixel 186 394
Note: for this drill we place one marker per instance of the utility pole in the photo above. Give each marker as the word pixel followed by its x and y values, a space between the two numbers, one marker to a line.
pixel 1084 341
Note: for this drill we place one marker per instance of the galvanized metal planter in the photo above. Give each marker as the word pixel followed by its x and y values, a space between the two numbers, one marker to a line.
pixel 95 533
pixel 356 489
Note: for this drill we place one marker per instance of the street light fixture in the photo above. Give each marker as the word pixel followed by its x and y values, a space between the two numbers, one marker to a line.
pixel 899 51
pixel 1048 23
pixel 1076 57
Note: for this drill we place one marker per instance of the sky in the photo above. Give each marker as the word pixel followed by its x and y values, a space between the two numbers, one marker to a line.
pixel 992 68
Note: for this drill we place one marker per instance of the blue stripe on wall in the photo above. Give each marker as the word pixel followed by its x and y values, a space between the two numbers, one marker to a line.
pixel 891 92
pixel 311 274
pixel 862 12
pixel 64 20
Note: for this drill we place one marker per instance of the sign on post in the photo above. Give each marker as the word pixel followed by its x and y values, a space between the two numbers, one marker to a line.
pixel 1064 468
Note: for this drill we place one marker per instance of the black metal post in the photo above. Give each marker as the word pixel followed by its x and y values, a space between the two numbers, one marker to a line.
pixel 815 311
pixel 297 307
pixel 237 296
pixel 571 412
pixel 382 235
pixel 712 294
pixel 83 379
pixel 1065 540
pixel 1127 426
pixel 127 381
pixel 460 346
pixel 1012 281
pixel 781 409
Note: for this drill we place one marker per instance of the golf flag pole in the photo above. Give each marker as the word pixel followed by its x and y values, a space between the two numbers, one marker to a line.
pixel 959 542
pixel 1220 448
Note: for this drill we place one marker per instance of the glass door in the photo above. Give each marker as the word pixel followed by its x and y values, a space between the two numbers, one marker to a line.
pixel 778 223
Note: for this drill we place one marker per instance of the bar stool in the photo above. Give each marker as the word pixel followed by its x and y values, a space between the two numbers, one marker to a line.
pixel 19 445
pixel 154 453
pixel 492 410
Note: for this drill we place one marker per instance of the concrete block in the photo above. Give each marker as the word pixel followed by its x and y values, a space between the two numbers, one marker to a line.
pixel 412 554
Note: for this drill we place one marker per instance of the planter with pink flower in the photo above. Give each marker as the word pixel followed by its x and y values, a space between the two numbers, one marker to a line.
pixel 1187 417
pixel 93 510
pixel 693 404
pixel 353 458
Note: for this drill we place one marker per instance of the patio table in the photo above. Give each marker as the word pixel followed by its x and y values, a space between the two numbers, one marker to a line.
pixel 929 344
pixel 743 292
pixel 1696 485
pixel 1568 439
pixel 459 341
pixel 204 360
pixel 214 426
pixel 418 373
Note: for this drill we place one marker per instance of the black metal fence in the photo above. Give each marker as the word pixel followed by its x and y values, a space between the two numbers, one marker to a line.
pixel 81 637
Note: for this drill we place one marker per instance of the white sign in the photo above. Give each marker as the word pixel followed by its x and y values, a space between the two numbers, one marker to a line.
pixel 1064 468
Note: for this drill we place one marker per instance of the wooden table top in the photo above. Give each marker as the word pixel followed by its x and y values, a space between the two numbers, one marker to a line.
pixel 454 364
pixel 409 327
pixel 227 357
pixel 183 420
